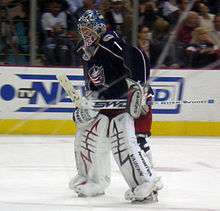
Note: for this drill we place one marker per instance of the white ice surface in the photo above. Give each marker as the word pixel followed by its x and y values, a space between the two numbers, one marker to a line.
pixel 35 171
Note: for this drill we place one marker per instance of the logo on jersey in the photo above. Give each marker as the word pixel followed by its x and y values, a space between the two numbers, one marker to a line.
pixel 96 75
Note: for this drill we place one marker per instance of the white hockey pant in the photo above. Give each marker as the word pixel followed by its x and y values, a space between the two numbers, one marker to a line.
pixel 132 161
pixel 92 155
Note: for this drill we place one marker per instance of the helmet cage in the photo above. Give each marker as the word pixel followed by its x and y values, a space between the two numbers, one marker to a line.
pixel 94 21
pixel 89 36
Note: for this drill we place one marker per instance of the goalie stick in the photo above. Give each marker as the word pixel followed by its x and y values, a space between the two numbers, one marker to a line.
pixel 123 104
pixel 90 104
pixel 69 89
pixel 114 104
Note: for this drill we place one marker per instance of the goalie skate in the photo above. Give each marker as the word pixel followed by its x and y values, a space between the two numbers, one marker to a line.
pixel 145 193
pixel 152 198
pixel 88 189
pixel 77 180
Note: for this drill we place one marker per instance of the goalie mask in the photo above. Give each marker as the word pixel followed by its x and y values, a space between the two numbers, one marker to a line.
pixel 91 26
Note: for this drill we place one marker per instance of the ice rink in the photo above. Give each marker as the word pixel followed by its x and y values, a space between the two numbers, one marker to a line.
pixel 35 171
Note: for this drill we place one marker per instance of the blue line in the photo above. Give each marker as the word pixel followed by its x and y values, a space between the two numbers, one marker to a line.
pixel 40 109
pixel 49 77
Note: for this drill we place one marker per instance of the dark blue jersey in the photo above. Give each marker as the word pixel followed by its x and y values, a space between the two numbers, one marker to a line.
pixel 112 62
pixel 106 70
pixel 138 63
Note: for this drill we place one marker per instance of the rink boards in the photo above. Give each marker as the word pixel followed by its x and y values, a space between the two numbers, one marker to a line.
pixel 187 102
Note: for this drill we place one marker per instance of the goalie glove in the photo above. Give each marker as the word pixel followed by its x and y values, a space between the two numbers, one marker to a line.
pixel 83 117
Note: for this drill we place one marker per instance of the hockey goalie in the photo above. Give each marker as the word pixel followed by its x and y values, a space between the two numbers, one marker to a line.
pixel 105 130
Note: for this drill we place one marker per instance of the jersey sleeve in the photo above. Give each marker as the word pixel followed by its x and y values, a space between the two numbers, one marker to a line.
pixel 113 45
pixel 138 63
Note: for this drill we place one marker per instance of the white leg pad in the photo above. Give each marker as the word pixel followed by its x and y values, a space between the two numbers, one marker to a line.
pixel 92 154
pixel 132 161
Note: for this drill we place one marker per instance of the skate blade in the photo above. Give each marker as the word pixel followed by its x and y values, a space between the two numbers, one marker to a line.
pixel 153 198
pixel 81 195
pixel 144 201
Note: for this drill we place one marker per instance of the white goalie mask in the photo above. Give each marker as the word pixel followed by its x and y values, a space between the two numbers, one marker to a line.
pixel 91 26
pixel 89 36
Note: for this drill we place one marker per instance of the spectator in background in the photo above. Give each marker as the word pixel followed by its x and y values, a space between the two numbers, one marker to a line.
pixel 142 9
pixel 197 3
pixel 22 31
pixel 160 36
pixel 14 42
pixel 58 47
pixel 105 6
pixel 149 15
pixel 8 38
pixel 144 40
pixel 173 17
pixel 86 5
pixel 74 5
pixel 119 18
pixel 169 7
pixel 201 51
pixel 182 5
pixel 215 34
pixel 216 31
pixel 184 34
pixel 206 18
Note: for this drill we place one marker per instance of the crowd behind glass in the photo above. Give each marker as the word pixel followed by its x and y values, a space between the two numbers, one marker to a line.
pixel 193 42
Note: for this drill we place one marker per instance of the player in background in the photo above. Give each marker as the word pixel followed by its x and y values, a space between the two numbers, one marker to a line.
pixel 108 78
pixel 139 65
